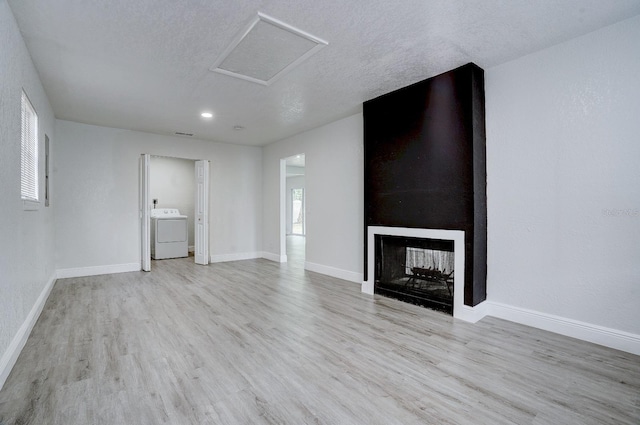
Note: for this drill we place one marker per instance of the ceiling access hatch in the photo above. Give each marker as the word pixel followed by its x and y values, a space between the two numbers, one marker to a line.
pixel 266 50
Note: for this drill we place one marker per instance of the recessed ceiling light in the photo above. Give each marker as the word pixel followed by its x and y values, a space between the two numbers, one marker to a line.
pixel 206 115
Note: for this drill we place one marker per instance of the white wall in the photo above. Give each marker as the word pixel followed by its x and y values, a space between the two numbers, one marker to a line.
pixel 97 207
pixel 334 203
pixel 563 165
pixel 26 237
pixel 294 182
pixel 172 182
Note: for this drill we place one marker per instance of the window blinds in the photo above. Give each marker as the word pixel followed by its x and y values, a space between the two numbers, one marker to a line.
pixel 29 151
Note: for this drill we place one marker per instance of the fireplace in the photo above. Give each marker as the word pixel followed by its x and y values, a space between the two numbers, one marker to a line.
pixel 420 266
pixel 415 270
pixel 425 178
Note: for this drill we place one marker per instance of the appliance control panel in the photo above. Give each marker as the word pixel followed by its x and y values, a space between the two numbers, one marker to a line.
pixel 165 212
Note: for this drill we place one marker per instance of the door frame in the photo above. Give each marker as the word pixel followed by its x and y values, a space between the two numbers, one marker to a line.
pixel 283 210
pixel 201 219
pixel 283 207
pixel 145 213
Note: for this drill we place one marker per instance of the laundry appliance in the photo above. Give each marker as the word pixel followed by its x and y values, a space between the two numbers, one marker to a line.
pixel 169 236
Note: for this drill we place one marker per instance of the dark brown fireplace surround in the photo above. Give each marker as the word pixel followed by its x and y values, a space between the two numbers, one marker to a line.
pixel 425 164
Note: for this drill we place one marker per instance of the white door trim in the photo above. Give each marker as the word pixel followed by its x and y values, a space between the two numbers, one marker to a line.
pixel 145 234
pixel 201 220
pixel 283 210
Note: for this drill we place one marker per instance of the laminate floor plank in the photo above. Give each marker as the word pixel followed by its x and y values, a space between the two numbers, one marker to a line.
pixel 257 342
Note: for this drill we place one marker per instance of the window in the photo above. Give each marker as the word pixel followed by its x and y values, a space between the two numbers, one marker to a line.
pixel 29 152
pixel 46 170
pixel 297 212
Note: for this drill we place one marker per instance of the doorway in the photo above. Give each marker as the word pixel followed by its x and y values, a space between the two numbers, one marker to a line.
pixel 171 185
pixel 295 230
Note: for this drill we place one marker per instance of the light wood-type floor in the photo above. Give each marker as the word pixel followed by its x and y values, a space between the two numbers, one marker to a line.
pixel 257 342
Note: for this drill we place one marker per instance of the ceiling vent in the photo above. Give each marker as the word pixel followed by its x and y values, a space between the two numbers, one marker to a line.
pixel 266 50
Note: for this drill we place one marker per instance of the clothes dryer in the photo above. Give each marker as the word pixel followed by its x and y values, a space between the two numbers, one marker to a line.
pixel 169 235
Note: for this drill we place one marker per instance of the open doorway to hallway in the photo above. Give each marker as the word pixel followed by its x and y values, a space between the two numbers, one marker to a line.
pixel 295 208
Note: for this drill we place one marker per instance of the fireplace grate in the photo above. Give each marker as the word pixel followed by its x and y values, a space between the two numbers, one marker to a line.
pixel 415 270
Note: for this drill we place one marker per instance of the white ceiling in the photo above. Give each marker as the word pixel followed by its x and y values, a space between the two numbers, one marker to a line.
pixel 144 64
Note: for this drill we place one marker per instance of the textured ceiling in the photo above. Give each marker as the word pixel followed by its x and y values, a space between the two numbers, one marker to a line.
pixel 144 64
pixel 296 161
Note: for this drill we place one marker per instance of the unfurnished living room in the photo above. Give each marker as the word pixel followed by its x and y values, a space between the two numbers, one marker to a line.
pixel 319 212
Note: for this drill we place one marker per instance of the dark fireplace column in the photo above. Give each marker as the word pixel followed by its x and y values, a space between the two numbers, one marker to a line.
pixel 425 166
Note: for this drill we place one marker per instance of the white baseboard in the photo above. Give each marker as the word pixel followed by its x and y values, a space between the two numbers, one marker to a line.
pixel 334 272
pixel 274 257
pixel 471 314
pixel 221 258
pixel 10 356
pixel 192 248
pixel 612 338
pixel 97 270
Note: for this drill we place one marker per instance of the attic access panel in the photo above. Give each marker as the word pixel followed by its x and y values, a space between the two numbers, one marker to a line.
pixel 266 50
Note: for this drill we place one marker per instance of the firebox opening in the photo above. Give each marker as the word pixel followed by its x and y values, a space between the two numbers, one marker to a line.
pixel 415 270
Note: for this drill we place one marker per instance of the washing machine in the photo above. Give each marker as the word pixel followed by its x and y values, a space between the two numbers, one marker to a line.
pixel 169 236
